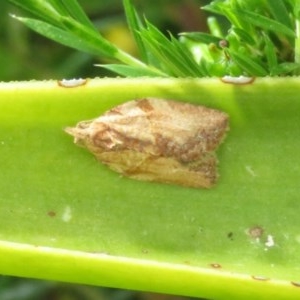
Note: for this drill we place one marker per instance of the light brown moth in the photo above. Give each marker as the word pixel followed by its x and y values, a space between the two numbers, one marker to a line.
pixel 157 140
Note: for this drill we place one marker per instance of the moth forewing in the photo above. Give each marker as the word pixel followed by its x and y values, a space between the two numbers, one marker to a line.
pixel 157 140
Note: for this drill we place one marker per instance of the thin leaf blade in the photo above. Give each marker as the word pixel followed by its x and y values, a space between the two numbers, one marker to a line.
pixel 135 25
pixel 131 71
pixel 66 38
pixel 265 22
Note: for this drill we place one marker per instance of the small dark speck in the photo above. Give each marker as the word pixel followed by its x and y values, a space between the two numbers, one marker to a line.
pixel 51 213
pixel 216 266
pixel 230 235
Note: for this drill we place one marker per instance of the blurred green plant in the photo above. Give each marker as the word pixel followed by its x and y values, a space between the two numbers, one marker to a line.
pixel 14 288
pixel 261 40
pixel 27 55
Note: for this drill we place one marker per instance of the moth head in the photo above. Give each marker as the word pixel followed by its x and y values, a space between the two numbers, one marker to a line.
pixel 80 133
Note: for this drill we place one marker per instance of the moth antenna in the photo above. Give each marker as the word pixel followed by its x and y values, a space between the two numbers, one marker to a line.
pixel 79 134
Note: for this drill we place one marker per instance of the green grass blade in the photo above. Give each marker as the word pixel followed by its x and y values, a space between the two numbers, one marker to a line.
pixel 40 9
pixel 251 53
pixel 131 71
pixel 225 9
pixel 286 68
pixel 75 11
pixel 265 23
pixel 81 38
pixel 247 65
pixel 96 46
pixel 201 37
pixel 168 58
pixel 134 24
pixel 280 12
pixel 184 55
pixel 52 11
pixel 214 27
pixel 271 54
pixel 172 56
pixel 244 36
pixel 297 30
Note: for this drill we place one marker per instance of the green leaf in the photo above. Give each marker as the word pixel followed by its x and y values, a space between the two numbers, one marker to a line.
pixel 65 22
pixel 52 10
pixel 286 68
pixel 226 9
pixel 247 64
pixel 134 24
pixel 95 46
pixel 271 54
pixel 43 10
pixel 265 22
pixel 244 36
pixel 280 12
pixel 214 27
pixel 201 37
pixel 131 71
pixel 75 11
pixel 173 56
pixel 67 217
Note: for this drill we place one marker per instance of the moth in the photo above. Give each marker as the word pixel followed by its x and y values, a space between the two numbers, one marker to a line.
pixel 157 140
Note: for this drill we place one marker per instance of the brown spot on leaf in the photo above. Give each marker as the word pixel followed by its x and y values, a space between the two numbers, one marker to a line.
pixel 51 213
pixel 260 278
pixel 255 232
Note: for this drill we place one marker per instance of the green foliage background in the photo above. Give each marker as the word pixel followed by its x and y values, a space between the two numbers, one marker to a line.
pixel 25 55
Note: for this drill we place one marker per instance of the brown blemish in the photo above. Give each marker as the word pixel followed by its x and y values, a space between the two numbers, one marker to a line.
pixel 260 278
pixel 296 284
pixel 255 232
pixel 241 80
pixel 223 43
pixel 71 83
pixel 216 266
pixel 230 235
pixel 51 213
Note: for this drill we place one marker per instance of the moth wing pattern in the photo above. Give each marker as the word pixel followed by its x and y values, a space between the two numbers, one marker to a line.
pixel 157 140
